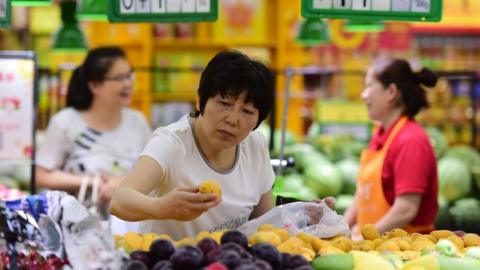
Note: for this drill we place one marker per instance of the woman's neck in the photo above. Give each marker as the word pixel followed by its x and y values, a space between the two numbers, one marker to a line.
pixel 391 118
pixel 103 118
pixel 220 159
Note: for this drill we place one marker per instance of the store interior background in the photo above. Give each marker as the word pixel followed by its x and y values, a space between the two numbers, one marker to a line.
pixel 168 58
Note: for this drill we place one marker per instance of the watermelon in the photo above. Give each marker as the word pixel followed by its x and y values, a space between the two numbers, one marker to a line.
pixel 466 214
pixel 443 219
pixel 437 140
pixel 470 156
pixel 323 178
pixel 454 178
pixel 292 186
pixel 301 153
pixel 349 169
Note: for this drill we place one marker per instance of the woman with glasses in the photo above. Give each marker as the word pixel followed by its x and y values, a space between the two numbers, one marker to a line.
pixel 97 135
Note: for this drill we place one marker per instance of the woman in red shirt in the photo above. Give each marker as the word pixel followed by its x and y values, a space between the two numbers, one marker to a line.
pixel 398 183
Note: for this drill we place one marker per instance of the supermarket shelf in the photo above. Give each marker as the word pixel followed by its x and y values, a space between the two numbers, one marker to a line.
pixel 175 96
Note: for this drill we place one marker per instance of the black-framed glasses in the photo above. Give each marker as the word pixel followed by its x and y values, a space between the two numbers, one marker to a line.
pixel 121 77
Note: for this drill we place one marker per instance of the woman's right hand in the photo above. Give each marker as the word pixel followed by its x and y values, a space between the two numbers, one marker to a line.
pixel 186 203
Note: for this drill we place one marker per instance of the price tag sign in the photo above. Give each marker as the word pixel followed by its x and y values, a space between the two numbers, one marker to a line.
pixel 17 105
pixel 5 13
pixel 162 10
pixel 358 131
pixel 387 10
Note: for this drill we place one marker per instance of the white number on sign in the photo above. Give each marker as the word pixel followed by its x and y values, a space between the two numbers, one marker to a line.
pixel 203 5
pixel 322 4
pixel 421 6
pixel 143 6
pixel 173 6
pixel 126 6
pixel 380 5
pixel 188 6
pixel 361 5
pixel 401 5
pixel 158 6
pixel 342 4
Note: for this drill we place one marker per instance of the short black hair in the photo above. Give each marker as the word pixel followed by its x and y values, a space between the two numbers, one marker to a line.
pixel 231 73
pixel 94 69
pixel 409 83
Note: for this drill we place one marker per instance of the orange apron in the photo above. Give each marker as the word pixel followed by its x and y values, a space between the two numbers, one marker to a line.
pixel 372 204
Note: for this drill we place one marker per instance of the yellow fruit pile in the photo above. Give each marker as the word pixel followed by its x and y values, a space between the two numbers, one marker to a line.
pixel 409 246
pixel 397 241
pixel 133 241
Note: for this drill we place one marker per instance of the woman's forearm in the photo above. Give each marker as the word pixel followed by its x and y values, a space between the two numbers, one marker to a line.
pixel 57 180
pixel 351 213
pixel 131 205
pixel 402 212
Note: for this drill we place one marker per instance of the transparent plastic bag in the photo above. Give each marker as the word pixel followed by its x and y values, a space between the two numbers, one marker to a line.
pixel 310 217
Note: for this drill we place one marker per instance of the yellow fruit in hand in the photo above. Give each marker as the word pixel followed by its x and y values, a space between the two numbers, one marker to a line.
pixel 369 232
pixel 210 186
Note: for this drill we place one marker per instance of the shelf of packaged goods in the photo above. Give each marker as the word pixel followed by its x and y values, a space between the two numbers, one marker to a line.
pixel 174 96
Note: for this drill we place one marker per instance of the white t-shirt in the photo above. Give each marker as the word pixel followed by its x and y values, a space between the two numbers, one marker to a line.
pixel 175 149
pixel 72 146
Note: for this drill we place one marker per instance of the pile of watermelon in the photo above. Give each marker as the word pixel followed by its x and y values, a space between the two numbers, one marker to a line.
pixel 328 166
pixel 459 184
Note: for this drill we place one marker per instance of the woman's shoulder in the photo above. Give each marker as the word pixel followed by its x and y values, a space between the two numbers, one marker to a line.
pixel 413 132
pixel 255 140
pixel 66 116
pixel 133 114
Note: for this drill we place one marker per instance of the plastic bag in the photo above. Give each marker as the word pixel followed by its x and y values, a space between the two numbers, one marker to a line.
pixel 310 217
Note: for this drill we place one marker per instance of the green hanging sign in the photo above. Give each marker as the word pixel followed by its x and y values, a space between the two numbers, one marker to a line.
pixel 5 13
pixel 31 3
pixel 386 10
pixel 162 10
pixel 92 10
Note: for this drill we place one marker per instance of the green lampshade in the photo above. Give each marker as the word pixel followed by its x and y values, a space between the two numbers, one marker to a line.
pixel 31 3
pixel 92 10
pixel 313 31
pixel 69 37
pixel 363 26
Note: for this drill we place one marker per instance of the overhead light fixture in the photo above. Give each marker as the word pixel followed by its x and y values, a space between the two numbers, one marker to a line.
pixel 363 26
pixel 312 32
pixel 92 10
pixel 31 3
pixel 69 37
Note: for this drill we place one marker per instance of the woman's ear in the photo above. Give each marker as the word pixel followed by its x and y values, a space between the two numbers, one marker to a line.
pixel 93 86
pixel 197 105
pixel 394 94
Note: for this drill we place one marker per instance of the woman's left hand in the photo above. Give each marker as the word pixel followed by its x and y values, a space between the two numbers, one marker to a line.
pixel 108 186
pixel 316 213
pixel 330 201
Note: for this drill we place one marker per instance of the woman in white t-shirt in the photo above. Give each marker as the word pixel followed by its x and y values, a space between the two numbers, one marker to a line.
pixel 96 135
pixel 217 142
